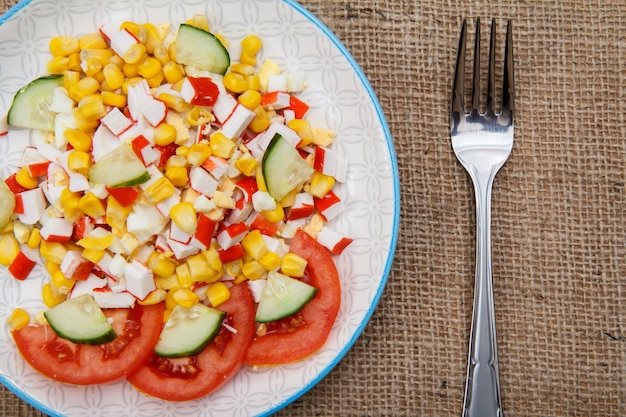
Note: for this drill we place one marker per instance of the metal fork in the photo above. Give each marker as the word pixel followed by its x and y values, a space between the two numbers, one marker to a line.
pixel 482 142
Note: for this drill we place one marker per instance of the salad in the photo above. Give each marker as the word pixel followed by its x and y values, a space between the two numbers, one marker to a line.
pixel 179 201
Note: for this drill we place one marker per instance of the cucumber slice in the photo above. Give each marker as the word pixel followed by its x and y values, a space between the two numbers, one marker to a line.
pixel 283 168
pixel 81 321
pixel 119 168
pixel 7 204
pixel 30 104
pixel 201 49
pixel 282 297
pixel 188 331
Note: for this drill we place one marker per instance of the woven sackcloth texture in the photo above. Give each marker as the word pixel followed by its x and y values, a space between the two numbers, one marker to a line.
pixel 558 227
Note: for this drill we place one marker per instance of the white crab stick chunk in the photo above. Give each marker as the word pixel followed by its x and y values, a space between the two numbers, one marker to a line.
pixel 334 241
pixel 139 279
pixel 232 235
pixel 57 229
pixel 87 286
pixel 116 121
pixel 201 181
pixel 107 298
pixel 224 107
pixel 329 162
pixel 238 121
pixel 33 204
pixel 103 142
pixel 121 41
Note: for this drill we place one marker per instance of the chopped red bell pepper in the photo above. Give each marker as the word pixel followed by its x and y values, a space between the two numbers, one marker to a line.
pixel 231 254
pixel 264 226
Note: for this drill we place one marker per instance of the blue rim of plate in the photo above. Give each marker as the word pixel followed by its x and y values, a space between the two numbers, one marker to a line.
pixel 396 214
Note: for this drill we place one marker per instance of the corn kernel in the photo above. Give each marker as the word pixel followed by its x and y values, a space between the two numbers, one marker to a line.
pixel 177 175
pixel 321 184
pixel 251 44
pixel 250 99
pixel 176 161
pixel 274 216
pixel 84 87
pixel 186 297
pixel 21 232
pixel 174 102
pixel 92 108
pixel 52 267
pixel 235 82
pixel 24 179
pixel 113 75
pixel 61 284
pixel 198 153
pixel 153 38
pixel 247 164
pixel 79 161
pixel 51 298
pixel 83 124
pixel 213 258
pixel 71 209
pixel 200 21
pixel 102 55
pixel 253 270
pixel 167 282
pixel 290 199
pixel 224 41
pixel 260 180
pixel 221 145
pixel 93 255
pixel 113 99
pixel 149 67
pixel 199 269
pixel 136 29
pixel 161 265
pixel 270 261
pixel 79 140
pixel 34 239
pixel 254 245
pixel 91 206
pixel 155 297
pixel 70 79
pixel 73 62
pixel 91 66
pixel 52 251
pixel 18 319
pixel 173 72
pixel 159 190
pixel 199 115
pixel 261 120
pixel 217 293
pixel 92 40
pixel 9 248
pixel 160 53
pixel 64 45
pixel 303 128
pixel 184 216
pixel 242 69
pixel 117 60
pixel 254 82
pixel 182 151
pixel 130 70
pixel 233 268
pixel 183 275
pixel 293 265
pixel 58 65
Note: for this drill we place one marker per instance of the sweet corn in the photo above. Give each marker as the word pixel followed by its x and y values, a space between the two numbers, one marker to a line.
pixel 161 265
pixel 199 115
pixel 183 275
pixel 153 38
pixel 130 71
pixel 247 164
pixel 254 245
pixel 182 151
pixel 79 161
pixel 173 72
pixel 242 69
pixel 116 214
pixel 51 267
pixel 93 255
pixel 24 179
pixel 233 268
pixel 58 65
pixel 221 145
pixel 174 102
pixel 200 21
pixel 34 239
pixel 260 180
pixel 261 120
pixel 9 248
pixel 250 46
pixel 186 297
pixel 270 261
pixel 177 160
pixel 21 232
pixel 92 108
pixel 91 66
pixel 177 175
pixel 199 269
pixel 159 190
pixel 303 128
pixel 91 206
pixel 84 87
pixel 222 40
pixel 157 80
pixel 253 270
pixel 170 303
pixel 321 184
pixel 290 199
pixel 171 51
pixel 71 209
pixel 184 216
pixel 73 62
pixel 254 82
pixel 167 282
pixel 52 251
pixel 18 319
pixel 137 30
pixel 113 99
pixel 83 124
pixel 79 140
pixel 149 67
pixel 61 284
pixel 64 45
pixel 198 153
pixel 92 40
pixel 217 293
pixel 51 298
pixel 102 55
pixel 113 76
pixel 96 243
pixel 70 79
pixel 293 265
pixel 67 195
pixel 213 258
pixel 251 99
pixel 274 216
pixel 155 297
pixel 235 82
pixel 117 61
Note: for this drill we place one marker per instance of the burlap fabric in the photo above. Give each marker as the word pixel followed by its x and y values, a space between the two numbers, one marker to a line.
pixel 558 216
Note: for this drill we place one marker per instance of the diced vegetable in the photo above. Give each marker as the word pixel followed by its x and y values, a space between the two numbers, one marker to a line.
pixel 119 168
pixel 201 49
pixel 30 105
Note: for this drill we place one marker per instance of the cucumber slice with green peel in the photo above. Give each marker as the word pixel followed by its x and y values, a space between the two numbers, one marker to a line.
pixel 201 49
pixel 283 168
pixel 30 104
pixel 282 297
pixel 119 168
pixel 188 330
pixel 80 320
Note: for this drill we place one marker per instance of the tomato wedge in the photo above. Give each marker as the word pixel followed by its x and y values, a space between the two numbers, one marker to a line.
pixel 308 330
pixel 138 331
pixel 184 379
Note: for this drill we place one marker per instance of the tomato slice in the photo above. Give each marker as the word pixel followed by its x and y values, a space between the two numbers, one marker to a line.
pixel 308 330
pixel 184 379
pixel 138 331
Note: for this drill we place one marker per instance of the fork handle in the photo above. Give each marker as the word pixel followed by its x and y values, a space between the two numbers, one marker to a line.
pixel 482 389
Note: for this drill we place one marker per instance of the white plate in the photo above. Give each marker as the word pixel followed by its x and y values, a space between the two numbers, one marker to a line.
pixel 341 99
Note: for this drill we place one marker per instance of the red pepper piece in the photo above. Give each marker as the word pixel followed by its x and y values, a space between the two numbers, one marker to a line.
pixel 231 254
pixel 21 266
pixel 124 195
pixel 298 106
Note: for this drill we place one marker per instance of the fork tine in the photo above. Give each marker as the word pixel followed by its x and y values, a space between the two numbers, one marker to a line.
pixel 508 92
pixel 458 87
pixel 476 72
pixel 491 76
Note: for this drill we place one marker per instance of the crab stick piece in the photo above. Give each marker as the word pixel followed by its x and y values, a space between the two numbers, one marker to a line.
pixel 201 181
pixel 302 207
pixel 275 100
pixel 201 91
pixel 22 265
pixel 232 235
pixel 116 121
pixel 332 240
pixel 57 229
pixel 139 279
pixel 329 162
pixel 76 267
pixel 32 204
pixel 237 122
pixel 224 107
pixel 329 206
